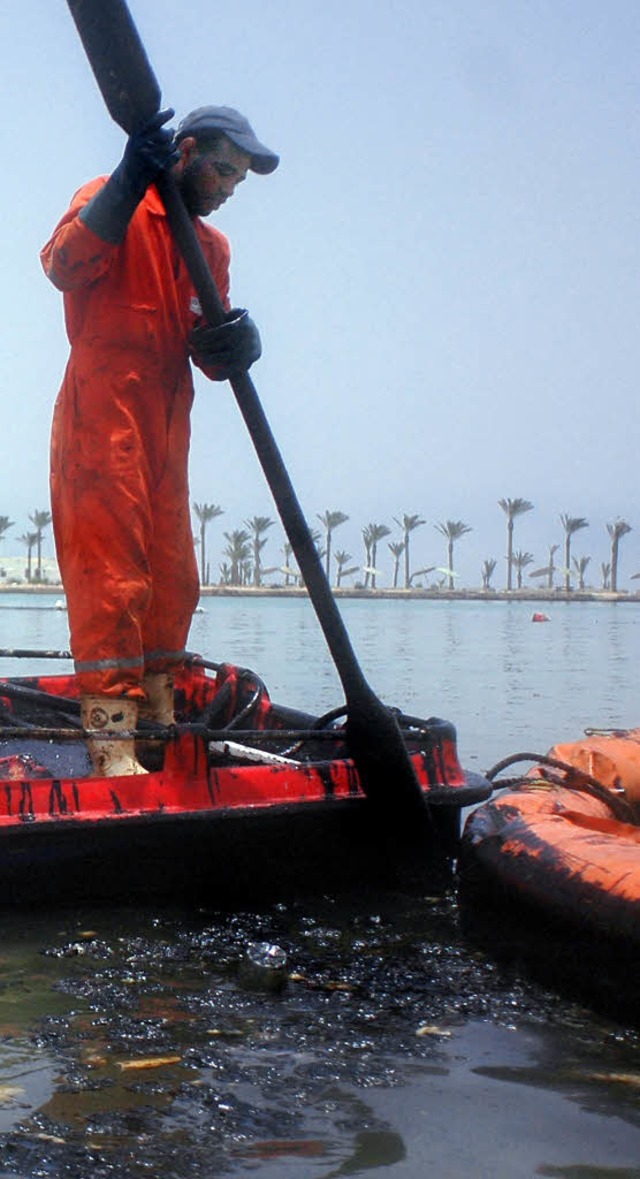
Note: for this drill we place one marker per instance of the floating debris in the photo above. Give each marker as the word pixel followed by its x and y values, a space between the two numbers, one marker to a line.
pixel 432 1029
pixel 263 967
pixel 148 1062
pixel 632 1079
pixel 9 1093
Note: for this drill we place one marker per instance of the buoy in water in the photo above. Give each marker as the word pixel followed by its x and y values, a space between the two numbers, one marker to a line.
pixel 537 617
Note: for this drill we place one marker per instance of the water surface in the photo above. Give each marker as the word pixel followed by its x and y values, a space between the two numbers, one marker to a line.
pixel 145 1043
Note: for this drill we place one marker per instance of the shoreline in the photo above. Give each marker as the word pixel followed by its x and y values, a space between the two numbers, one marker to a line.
pixel 346 593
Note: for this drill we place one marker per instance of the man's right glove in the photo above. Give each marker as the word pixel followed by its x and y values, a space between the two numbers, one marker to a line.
pixel 230 348
pixel 149 150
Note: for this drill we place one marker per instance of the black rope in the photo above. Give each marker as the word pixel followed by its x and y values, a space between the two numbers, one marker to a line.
pixel 577 779
pixel 23 653
pixel 151 730
pixel 328 718
pixel 28 653
pixel 245 712
pixel 198 661
pixel 319 728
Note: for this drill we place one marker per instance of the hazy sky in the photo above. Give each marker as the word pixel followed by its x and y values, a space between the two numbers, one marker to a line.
pixel 445 268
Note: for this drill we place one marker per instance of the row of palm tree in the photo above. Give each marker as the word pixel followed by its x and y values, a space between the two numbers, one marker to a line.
pixel 242 555
pixel 242 563
pixel 571 524
pixel 243 551
pixel 32 540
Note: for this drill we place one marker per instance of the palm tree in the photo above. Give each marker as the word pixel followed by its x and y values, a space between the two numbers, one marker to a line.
pixel 521 561
pixel 580 565
pixel 372 534
pixel 452 530
pixel 570 524
pixel 605 570
pixel 553 548
pixel 616 531
pixel 205 513
pixel 341 559
pixel 366 537
pixel 512 508
pixel 397 548
pixel 488 570
pixel 287 550
pixel 257 526
pixel 30 540
pixel 5 524
pixel 330 521
pixel 40 521
pixel 238 551
pixel 408 524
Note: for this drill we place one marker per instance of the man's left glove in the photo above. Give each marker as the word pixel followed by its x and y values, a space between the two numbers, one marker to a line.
pixel 230 348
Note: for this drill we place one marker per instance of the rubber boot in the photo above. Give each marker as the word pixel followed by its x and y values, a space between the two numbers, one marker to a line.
pixel 158 687
pixel 104 713
pixel 157 708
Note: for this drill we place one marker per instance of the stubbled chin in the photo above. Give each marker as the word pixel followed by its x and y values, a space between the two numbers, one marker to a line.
pixel 210 206
pixel 198 203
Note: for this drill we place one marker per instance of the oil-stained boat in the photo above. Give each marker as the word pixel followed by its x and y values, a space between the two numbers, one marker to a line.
pixel 244 798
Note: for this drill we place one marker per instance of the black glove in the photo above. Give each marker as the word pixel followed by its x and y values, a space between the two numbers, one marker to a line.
pixel 230 348
pixel 149 150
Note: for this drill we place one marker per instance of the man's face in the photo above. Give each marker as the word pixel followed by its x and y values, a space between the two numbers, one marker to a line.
pixel 209 175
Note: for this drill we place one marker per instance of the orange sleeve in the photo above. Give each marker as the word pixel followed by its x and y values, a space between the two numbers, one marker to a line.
pixel 74 256
pixel 217 251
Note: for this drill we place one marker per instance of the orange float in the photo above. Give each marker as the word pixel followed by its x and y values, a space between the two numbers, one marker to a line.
pixel 565 839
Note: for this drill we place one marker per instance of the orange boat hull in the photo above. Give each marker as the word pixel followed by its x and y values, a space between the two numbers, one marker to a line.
pixel 564 851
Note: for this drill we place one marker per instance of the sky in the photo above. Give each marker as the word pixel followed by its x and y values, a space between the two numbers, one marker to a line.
pixel 445 268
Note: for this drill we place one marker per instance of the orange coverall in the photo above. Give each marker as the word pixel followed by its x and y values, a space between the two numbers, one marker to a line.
pixel 120 443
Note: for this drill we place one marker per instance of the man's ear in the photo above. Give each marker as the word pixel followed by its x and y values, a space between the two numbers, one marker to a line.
pixel 188 148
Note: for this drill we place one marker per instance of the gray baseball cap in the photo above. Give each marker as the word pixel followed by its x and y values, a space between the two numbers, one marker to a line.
pixel 227 121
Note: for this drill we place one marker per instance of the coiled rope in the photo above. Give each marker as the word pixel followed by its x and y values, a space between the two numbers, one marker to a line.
pixel 575 780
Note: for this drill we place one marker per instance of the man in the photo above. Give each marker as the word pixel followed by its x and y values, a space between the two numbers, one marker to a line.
pixel 120 436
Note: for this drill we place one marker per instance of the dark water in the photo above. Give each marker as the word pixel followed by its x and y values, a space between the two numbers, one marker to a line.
pixel 386 1039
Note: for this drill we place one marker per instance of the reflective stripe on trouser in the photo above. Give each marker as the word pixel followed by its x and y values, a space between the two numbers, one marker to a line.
pixel 122 525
